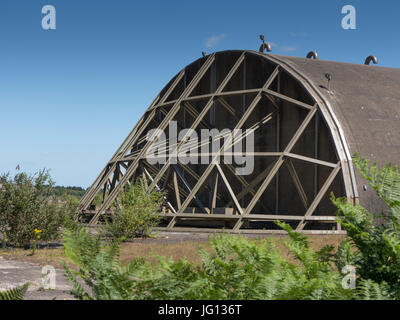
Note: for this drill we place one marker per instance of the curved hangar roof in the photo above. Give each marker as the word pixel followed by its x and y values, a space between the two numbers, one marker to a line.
pixel 306 131
pixel 365 103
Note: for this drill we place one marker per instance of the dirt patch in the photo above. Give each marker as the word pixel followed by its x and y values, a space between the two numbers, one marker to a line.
pixel 42 257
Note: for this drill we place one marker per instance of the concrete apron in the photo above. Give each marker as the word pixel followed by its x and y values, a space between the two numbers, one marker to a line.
pixel 15 273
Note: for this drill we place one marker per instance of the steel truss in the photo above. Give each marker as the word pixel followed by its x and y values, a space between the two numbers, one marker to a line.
pixel 213 197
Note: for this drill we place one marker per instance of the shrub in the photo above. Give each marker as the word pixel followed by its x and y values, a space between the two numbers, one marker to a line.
pixel 375 237
pixel 98 266
pixel 137 213
pixel 26 205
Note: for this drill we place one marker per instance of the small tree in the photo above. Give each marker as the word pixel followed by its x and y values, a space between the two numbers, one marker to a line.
pixel 26 205
pixel 137 213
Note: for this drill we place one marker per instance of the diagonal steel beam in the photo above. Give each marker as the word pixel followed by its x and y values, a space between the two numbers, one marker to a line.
pixel 187 169
pixel 174 109
pixel 260 191
pixel 129 141
pixel 228 186
pixel 167 184
pixel 202 114
pixel 188 187
pixel 238 126
pixel 297 182
pixel 311 160
pixel 159 189
pixel 250 187
pixel 228 107
pixel 277 165
pixel 95 188
pixel 319 196
pixel 288 99
pixel 122 146
pixel 243 182
pixel 194 113
pixel 152 113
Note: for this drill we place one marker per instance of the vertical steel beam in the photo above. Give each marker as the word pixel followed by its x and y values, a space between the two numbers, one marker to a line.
pixel 278 143
pixel 176 187
pixel 214 193
pixel 316 154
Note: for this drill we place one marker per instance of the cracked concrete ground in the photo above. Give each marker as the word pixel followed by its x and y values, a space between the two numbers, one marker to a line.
pixel 15 273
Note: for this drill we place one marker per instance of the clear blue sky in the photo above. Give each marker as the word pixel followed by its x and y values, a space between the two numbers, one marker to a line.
pixel 69 96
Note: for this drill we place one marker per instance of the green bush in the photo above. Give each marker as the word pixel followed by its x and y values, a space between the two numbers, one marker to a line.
pixel 61 191
pixel 373 244
pixel 26 205
pixel 99 267
pixel 137 213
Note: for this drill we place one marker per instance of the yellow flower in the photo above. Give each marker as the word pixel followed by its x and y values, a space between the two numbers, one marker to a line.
pixel 38 237
pixel 6 240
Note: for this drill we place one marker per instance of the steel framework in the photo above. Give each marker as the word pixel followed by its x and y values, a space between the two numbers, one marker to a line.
pixel 300 154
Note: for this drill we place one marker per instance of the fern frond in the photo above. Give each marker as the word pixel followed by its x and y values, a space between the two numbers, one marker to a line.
pixel 345 254
pixel 370 290
pixel 16 293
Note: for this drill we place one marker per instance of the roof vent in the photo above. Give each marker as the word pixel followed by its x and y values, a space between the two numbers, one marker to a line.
pixel 312 55
pixel 264 45
pixel 328 76
pixel 371 58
